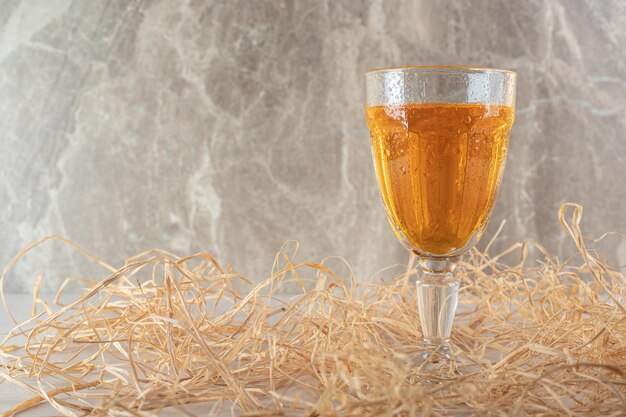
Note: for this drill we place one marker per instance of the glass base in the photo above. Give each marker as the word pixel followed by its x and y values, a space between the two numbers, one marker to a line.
pixel 435 353
pixel 437 365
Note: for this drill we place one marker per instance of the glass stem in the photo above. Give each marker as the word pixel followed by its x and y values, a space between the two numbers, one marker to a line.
pixel 437 298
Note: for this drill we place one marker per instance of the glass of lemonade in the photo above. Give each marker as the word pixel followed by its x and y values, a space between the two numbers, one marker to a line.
pixel 439 138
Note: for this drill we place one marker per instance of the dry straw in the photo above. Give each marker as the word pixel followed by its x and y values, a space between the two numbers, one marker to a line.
pixel 535 338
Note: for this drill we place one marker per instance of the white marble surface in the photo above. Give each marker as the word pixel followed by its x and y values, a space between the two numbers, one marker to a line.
pixel 233 126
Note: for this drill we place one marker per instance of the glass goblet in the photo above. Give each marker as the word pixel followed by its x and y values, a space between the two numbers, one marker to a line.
pixel 439 139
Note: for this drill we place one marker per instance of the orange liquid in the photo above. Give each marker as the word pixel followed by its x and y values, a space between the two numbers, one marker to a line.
pixel 439 168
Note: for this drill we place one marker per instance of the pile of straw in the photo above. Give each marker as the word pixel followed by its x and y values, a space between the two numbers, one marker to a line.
pixel 536 338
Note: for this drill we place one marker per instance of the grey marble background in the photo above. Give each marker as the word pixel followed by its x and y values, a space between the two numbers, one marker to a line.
pixel 233 126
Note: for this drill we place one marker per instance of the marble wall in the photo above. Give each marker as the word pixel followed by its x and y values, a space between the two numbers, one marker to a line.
pixel 233 126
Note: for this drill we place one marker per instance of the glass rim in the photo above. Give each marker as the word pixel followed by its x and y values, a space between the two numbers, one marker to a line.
pixel 435 67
